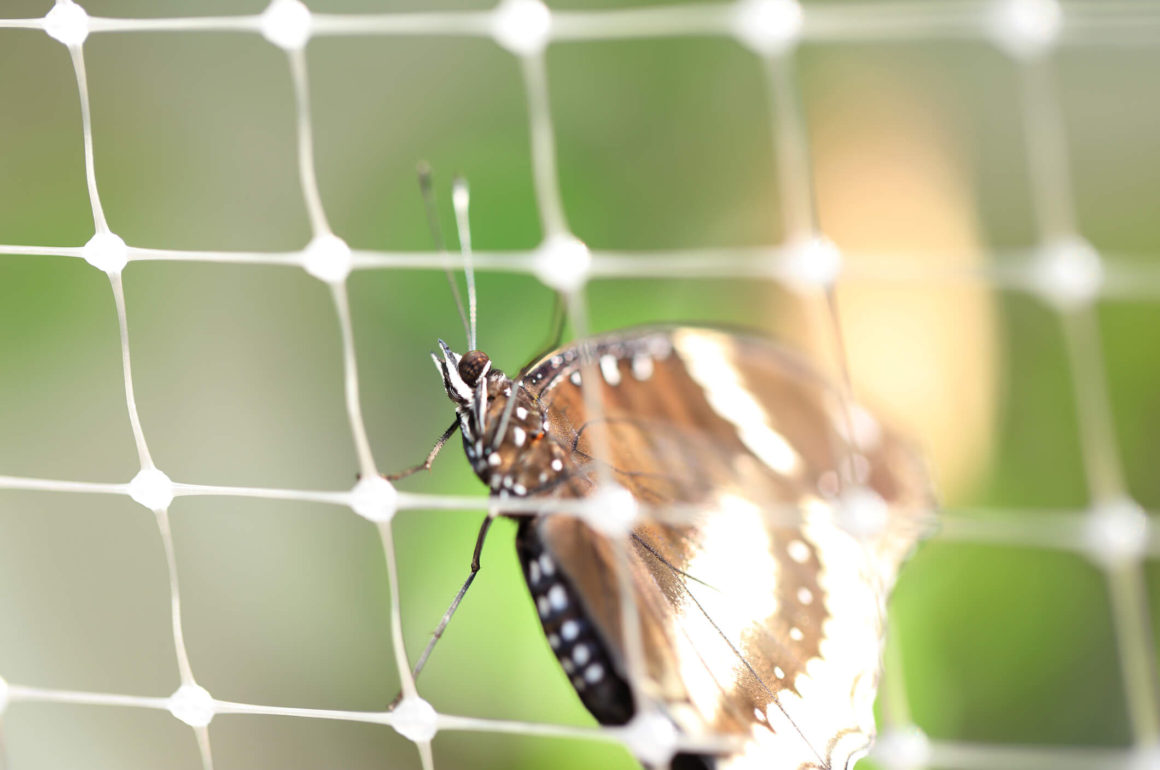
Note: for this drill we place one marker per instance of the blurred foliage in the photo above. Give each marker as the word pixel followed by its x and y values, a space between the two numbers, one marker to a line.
pixel 662 144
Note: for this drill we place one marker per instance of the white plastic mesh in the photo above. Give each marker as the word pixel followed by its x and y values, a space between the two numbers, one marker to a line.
pixel 1065 270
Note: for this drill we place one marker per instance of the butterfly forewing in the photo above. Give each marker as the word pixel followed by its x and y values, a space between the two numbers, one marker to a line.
pixel 760 618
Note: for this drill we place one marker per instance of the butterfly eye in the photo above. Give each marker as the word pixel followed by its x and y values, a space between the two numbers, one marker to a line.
pixel 472 366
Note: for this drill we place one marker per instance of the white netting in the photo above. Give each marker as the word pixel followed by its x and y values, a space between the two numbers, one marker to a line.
pixel 1064 270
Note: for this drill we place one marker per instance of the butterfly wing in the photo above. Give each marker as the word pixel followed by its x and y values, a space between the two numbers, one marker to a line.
pixel 760 618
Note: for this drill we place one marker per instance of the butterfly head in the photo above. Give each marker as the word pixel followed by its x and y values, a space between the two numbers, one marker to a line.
pixel 462 375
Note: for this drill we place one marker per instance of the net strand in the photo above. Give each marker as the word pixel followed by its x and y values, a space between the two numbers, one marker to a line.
pixel 203 746
pixel 543 140
pixel 1133 631
pixel 790 150
pixel 307 177
pixel 872 21
pixel 143 456
pixel 312 198
pixel 351 383
pixel 76 53
pixel 1049 171
pixel 1051 529
pixel 1127 277
pixel 183 667
pixel 944 754
pixel 1046 150
pixel 553 222
pixel 1098 442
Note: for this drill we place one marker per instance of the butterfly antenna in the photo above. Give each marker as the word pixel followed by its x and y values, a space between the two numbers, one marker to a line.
pixel 427 188
pixel 461 200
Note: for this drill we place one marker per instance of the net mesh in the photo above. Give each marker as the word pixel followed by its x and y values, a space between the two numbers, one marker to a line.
pixel 1063 269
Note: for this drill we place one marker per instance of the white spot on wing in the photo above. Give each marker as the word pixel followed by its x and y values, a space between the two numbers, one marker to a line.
pixel 798 551
pixel 609 370
pixel 642 366
pixel 659 347
pixel 708 360
pixel 557 598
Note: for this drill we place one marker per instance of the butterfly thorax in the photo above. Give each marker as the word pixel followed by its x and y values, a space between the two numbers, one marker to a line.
pixel 505 429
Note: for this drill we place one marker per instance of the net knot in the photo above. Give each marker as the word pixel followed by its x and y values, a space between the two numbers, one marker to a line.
pixel 1025 29
pixel 1068 273
pixel 612 511
pixel 415 719
pixel 768 27
pixel 106 251
pixel 1117 533
pixel 328 258
pixel 374 498
pixel 902 748
pixel 67 23
pixel 652 738
pixel 522 26
pixel 862 513
pixel 192 704
pixel 562 263
pixel 811 263
pixel 152 489
pixel 287 24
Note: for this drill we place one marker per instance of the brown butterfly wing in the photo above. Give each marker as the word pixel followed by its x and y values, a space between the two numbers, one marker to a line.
pixel 759 618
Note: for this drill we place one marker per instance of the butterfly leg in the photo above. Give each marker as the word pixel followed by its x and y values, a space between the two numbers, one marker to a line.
pixel 426 464
pixel 446 619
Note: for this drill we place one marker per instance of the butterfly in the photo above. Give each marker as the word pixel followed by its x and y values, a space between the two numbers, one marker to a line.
pixel 760 607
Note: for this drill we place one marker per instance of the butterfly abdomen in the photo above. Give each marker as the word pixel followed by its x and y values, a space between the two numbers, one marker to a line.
pixel 573 638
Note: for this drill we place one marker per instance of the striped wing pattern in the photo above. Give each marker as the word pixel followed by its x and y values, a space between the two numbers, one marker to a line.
pixel 761 619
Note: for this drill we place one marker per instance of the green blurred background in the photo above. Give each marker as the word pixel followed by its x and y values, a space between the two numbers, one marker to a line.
pixel 919 156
